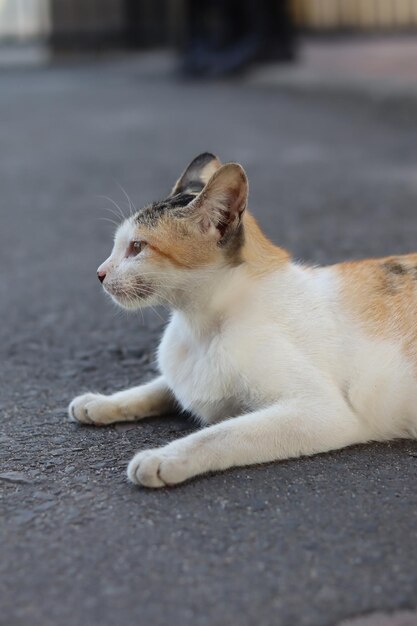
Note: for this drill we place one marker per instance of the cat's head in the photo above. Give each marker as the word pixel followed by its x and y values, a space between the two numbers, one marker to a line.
pixel 166 248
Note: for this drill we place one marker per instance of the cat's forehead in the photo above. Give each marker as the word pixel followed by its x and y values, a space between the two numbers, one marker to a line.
pixel 125 231
pixel 150 214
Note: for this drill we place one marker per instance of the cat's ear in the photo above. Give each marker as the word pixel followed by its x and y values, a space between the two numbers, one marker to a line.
pixel 197 174
pixel 219 207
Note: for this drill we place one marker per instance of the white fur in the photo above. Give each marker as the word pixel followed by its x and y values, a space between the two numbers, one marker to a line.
pixel 278 356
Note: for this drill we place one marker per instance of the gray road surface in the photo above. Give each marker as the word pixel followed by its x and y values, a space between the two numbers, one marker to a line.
pixel 300 543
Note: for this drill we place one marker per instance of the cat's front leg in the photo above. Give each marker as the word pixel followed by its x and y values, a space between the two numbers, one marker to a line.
pixel 285 430
pixel 154 398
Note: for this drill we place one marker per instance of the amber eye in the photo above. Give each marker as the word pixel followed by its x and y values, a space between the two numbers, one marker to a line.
pixel 135 247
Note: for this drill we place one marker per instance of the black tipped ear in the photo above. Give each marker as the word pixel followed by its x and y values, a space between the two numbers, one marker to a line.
pixel 219 207
pixel 197 174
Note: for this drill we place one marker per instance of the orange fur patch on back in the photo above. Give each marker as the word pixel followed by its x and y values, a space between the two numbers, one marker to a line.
pixel 383 294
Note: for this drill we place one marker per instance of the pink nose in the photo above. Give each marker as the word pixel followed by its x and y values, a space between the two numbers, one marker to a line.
pixel 101 275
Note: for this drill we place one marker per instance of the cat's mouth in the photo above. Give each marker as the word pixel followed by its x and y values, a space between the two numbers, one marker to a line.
pixel 131 295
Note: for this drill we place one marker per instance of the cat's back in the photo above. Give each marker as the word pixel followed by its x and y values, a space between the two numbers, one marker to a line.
pixel 381 296
pixel 377 303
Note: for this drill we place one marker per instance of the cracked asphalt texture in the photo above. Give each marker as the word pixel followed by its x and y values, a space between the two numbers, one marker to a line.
pixel 306 542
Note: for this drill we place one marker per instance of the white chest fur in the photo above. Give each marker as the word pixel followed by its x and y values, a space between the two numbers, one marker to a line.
pixel 202 372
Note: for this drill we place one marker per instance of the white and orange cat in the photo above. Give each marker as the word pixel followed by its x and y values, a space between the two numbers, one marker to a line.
pixel 278 359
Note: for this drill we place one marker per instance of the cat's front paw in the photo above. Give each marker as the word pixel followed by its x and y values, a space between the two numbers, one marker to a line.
pixel 93 408
pixel 160 467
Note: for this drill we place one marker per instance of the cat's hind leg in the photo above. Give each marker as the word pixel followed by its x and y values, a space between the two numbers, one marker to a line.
pixel 154 398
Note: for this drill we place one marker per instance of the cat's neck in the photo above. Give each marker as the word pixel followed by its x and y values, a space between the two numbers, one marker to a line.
pixel 259 254
pixel 215 294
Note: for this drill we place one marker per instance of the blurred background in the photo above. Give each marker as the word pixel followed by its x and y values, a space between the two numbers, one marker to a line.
pixel 102 105
pixel 41 29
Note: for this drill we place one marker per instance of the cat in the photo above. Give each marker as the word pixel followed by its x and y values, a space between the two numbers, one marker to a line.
pixel 277 358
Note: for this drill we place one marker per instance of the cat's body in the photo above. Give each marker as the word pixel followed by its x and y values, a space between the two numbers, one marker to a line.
pixel 300 359
pixel 260 347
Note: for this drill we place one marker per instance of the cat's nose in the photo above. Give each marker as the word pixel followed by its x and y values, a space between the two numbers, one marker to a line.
pixel 101 275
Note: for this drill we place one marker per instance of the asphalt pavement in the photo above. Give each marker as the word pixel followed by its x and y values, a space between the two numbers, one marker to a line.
pixel 307 542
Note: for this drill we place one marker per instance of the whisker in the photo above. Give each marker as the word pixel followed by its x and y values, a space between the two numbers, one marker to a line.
pixel 112 211
pixel 107 219
pixel 157 313
pixel 122 215
pixel 131 205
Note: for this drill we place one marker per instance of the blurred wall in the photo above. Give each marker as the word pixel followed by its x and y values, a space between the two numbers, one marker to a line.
pixel 24 19
pixel 81 23
pixel 103 23
pixel 371 15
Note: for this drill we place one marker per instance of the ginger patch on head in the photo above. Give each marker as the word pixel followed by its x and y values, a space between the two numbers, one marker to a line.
pixel 173 242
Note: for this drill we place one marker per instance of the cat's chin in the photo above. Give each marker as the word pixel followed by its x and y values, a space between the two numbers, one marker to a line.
pixel 132 304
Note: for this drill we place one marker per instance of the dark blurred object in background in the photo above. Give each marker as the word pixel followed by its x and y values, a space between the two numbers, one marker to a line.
pixel 224 37
pixel 217 37
pixel 97 25
pixel 147 23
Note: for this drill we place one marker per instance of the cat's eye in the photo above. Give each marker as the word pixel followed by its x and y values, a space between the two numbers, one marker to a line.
pixel 135 247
